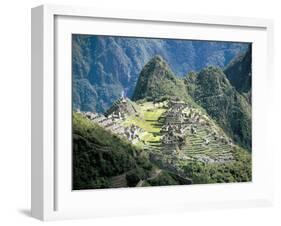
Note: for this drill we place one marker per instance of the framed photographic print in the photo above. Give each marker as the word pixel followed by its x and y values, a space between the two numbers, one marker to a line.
pixel 135 112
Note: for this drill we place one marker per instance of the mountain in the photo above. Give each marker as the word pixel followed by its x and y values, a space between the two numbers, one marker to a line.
pixel 104 66
pixel 239 73
pixel 157 81
pixel 211 89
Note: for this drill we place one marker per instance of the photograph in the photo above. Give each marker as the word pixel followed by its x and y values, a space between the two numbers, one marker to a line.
pixel 149 111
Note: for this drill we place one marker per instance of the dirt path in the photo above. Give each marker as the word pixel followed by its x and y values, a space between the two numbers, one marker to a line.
pixel 152 177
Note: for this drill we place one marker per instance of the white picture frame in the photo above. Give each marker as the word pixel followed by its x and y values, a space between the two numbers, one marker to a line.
pixel 52 197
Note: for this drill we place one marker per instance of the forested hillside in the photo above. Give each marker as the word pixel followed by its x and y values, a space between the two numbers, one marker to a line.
pixel 211 89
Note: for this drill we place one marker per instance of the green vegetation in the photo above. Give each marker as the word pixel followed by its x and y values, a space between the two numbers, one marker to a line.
pixel 164 179
pixel 239 73
pixel 211 89
pixel 148 120
pixel 104 160
pixel 157 82
pixel 99 155
pixel 134 176
pixel 239 170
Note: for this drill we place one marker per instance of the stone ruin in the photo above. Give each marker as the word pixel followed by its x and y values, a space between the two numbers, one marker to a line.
pixel 112 118
pixel 120 108
pixel 176 104
pixel 180 118
pixel 107 123
pixel 178 128
pixel 172 138
pixel 174 128
pixel 132 132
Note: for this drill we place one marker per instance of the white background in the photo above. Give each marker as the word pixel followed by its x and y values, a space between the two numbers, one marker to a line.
pixel 15 112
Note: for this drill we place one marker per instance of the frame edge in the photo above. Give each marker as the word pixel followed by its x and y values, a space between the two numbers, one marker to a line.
pixel 41 206
pixel 37 41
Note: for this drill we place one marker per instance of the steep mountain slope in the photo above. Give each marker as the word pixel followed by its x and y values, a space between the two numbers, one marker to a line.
pixel 211 89
pixel 156 81
pixel 104 66
pixel 104 160
pixel 239 73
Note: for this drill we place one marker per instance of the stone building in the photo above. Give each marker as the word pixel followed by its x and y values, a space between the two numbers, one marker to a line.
pixel 121 107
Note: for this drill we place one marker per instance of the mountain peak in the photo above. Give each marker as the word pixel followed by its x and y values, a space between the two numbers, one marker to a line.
pixel 157 80
pixel 157 64
pixel 157 58
pixel 212 80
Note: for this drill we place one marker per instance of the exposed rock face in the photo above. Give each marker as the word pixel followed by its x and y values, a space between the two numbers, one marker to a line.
pixel 239 73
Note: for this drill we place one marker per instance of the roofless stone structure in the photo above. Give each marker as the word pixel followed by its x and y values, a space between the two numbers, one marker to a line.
pixel 121 107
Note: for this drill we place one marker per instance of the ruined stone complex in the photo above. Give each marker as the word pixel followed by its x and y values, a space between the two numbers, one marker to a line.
pixel 121 107
pixel 186 133
pixel 113 117
pixel 174 127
